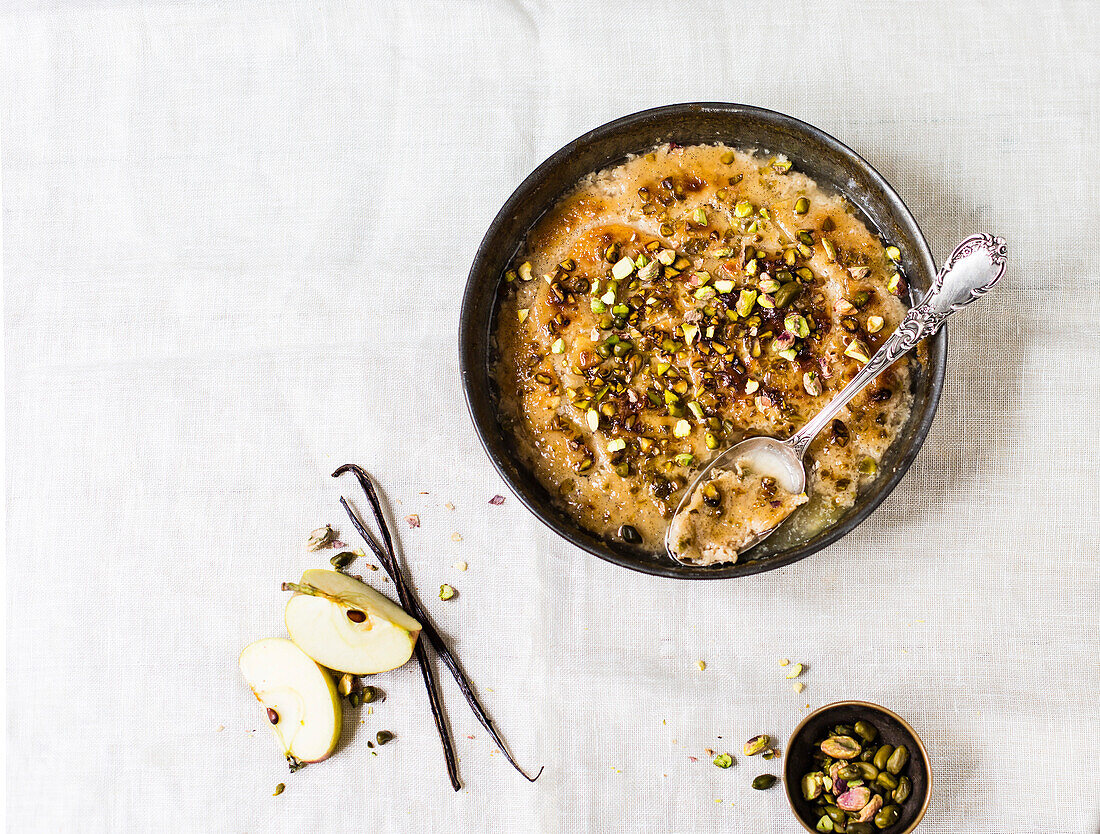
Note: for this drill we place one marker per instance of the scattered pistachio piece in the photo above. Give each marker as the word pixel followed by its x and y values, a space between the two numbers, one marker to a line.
pixel 682 428
pixel 592 417
pixel 279 789
pixel 321 538
pixel 700 216
pixel 558 346
pixel 801 206
pixel 522 314
pixel 893 253
pixel 744 208
pixel 446 592
pixel 455 537
pixel 794 671
pixel 723 760
pixel 702 664
pixel 874 324
pixel 525 271
pixel 756 744
pixel 622 268
pixel 857 350
pixel 751 386
pixel 384 737
pixel 783 661
pixel 798 686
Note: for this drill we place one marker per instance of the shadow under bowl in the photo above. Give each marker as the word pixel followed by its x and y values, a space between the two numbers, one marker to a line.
pixel 893 729
pixel 832 164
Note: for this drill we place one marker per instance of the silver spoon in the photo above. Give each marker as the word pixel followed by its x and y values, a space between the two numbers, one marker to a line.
pixel 976 265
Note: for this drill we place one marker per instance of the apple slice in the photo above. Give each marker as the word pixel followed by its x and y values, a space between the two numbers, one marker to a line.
pixel 301 702
pixel 348 626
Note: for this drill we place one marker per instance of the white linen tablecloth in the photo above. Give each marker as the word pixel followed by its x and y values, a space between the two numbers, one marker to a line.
pixel 235 239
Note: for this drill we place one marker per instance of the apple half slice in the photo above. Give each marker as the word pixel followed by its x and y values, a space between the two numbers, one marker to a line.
pixel 301 701
pixel 348 626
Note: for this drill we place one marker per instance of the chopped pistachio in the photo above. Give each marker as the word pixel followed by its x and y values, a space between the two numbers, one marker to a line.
pixel 685 459
pixel 690 332
pixel 667 256
pixel 794 671
pixel 616 445
pixel 811 383
pixel 597 308
pixel 744 208
pixel 322 538
pixel 769 285
pixel 702 664
pixel 797 325
pixel 510 276
pixel 696 409
pixel 801 206
pixel 767 301
pixel 790 354
pixel 894 284
pixel 279 789
pixel 893 253
pixel 593 419
pixel 723 760
pixel 844 307
pixel 681 429
pixel 745 302
pixel 798 686
pixel 700 216
pixel 728 157
pixel 558 346
pixel 723 286
pixel 456 537
pixel 874 324
pixel 446 592
pixel 703 293
pixel 648 271
pixel 751 386
pixel 609 296
pixel 830 250
pixel 525 270
pixel 711 441
pixel 622 268
pixel 857 350
pixel 784 662
pixel 460 566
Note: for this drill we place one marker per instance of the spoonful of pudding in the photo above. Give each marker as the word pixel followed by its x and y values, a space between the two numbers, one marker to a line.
pixel 746 492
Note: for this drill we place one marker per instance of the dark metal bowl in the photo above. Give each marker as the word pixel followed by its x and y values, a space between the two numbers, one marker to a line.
pixel 820 156
pixel 893 729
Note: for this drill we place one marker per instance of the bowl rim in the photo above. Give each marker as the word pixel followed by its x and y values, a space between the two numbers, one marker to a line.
pixel 593 544
pixel 788 783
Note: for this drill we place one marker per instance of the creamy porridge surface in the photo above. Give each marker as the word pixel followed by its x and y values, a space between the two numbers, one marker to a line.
pixel 687 298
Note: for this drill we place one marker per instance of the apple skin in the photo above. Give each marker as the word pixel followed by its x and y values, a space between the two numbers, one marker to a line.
pixel 292 685
pixel 348 626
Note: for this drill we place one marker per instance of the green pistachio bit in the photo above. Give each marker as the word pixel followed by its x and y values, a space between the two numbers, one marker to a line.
pixel 893 253
pixel 711 441
pixel 769 285
pixel 620 310
pixel 696 409
pixel 860 298
pixel 781 166
pixel 383 737
pixel 902 791
pixel 704 293
pixel 751 386
pixel 790 354
pixel 805 273
pixel 662 368
pixel 812 786
pixel 321 538
pixel 858 351
pixel 445 593
pixel 622 268
pixel 894 284
pixel 797 325
pixel 805 236
pixel 875 323
pixel 753 227
pixel 699 216
pixel 690 332
pixel 525 271
pixel 279 789
pixel 887 816
pixel 724 286
pixel 685 459
pixel 616 445
pixel 756 744
pixel 342 560
pixel 764 212
pixel 745 302
pixel 867 466
pixel 801 206
pixel 805 251
pixel 723 760
pixel 649 271
pixel 898 759
pixel 787 293
pixel 681 429
pixel 558 346
pixel 751 267
pixel 841 747
pixel 728 157
pixel 811 383
pixel 592 417
pixel 830 250
pixel 766 301
pixel 744 208
pixel 790 257
pixel 882 755
pixel 824 825
pixel 866 730
pixel 763 782
pixel 510 276
pixel 597 307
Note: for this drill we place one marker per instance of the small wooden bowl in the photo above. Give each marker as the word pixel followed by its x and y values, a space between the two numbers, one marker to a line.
pixel 892 728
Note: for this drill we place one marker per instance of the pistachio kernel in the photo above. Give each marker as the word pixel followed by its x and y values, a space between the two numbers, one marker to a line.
pixel 874 324
pixel 756 744
pixel 723 760
pixel 801 206
pixel 446 592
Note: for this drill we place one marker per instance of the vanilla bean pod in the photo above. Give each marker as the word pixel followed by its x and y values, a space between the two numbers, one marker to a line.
pixel 434 699
pixel 388 560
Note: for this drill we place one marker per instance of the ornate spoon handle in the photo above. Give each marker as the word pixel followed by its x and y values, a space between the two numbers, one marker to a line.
pixel 976 265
